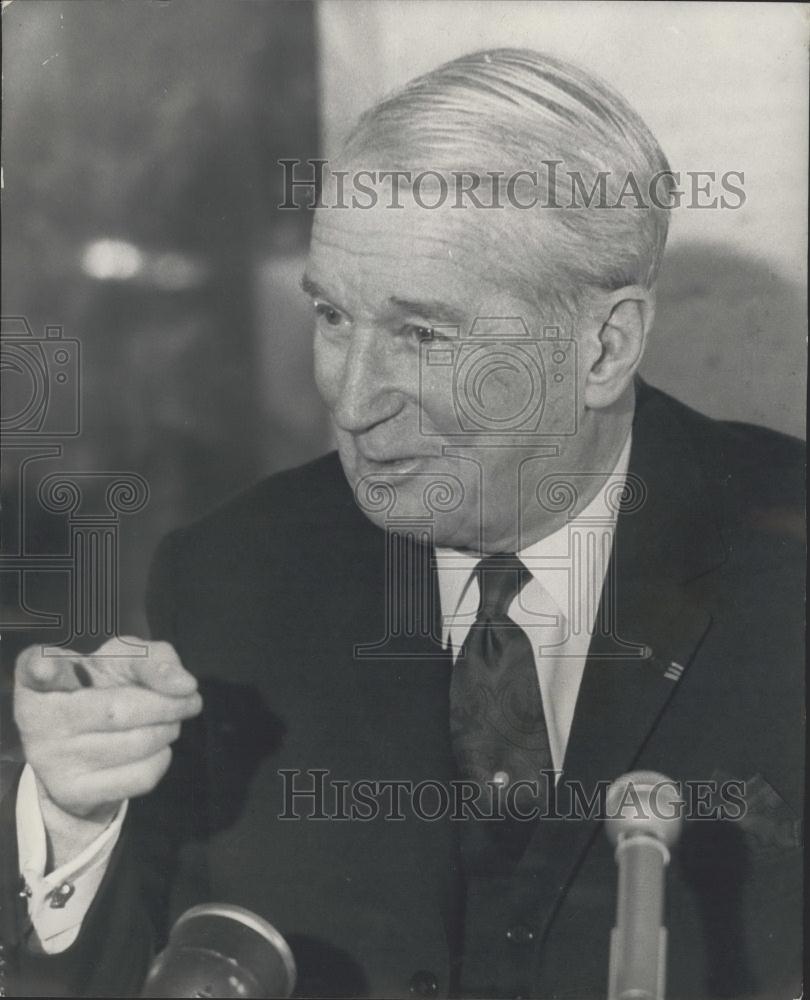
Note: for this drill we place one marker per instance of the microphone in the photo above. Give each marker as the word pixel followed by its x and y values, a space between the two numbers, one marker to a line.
pixel 643 821
pixel 219 950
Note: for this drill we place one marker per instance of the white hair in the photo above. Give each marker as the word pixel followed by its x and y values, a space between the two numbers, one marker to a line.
pixel 515 109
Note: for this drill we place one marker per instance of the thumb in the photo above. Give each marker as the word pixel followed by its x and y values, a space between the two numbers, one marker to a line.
pixel 46 673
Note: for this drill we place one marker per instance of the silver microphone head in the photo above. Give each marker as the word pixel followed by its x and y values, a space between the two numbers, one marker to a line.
pixel 644 802
pixel 220 950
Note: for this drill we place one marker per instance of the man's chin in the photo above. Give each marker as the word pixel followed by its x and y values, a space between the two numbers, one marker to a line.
pixel 440 531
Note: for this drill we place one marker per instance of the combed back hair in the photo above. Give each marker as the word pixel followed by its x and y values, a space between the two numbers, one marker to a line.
pixel 515 109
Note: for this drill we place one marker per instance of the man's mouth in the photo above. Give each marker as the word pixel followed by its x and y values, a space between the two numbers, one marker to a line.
pixel 389 460
pixel 390 463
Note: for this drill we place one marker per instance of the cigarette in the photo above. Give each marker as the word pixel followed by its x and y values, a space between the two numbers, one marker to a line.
pixel 82 674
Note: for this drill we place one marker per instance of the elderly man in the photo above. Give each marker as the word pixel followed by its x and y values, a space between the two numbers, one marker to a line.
pixel 524 573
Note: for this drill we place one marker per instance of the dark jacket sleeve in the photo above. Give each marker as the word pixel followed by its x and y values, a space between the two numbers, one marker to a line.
pixel 126 922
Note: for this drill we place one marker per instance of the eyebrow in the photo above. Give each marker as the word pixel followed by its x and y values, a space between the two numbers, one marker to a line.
pixel 430 309
pixel 312 287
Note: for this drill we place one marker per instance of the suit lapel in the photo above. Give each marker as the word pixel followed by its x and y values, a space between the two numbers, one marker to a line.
pixel 650 629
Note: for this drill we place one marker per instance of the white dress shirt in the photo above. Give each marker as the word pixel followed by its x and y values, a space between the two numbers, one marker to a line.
pixel 557 608
pixel 58 901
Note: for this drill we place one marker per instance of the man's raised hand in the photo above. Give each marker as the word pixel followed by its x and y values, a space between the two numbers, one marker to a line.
pixel 97 730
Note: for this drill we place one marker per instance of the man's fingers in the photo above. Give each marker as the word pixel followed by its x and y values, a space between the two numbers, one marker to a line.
pixel 97 729
pixel 46 673
pixel 163 672
pixel 159 670
pixel 121 708
pixel 100 710
pixel 101 751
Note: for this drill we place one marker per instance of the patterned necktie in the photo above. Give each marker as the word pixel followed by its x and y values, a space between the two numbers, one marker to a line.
pixel 497 726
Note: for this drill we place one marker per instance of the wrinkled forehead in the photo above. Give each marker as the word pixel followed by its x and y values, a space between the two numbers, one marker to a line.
pixel 373 234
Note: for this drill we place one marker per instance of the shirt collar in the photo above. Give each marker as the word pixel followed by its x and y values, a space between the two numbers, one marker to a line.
pixel 455 566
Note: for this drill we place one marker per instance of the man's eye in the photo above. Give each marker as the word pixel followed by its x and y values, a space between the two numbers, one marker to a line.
pixel 327 313
pixel 420 332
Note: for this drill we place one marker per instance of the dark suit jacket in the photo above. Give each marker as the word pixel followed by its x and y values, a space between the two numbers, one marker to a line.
pixel 266 601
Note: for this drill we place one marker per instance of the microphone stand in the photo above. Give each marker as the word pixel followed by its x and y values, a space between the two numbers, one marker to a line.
pixel 644 821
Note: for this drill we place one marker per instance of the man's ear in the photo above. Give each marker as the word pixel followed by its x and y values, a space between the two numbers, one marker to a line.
pixel 620 324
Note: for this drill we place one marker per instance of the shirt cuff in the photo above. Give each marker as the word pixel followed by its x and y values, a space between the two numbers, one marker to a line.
pixel 58 902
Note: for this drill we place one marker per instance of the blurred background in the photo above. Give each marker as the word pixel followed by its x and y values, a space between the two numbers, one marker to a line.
pixel 139 190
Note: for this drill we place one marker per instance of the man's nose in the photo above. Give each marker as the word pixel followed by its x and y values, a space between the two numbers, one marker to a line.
pixel 369 392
